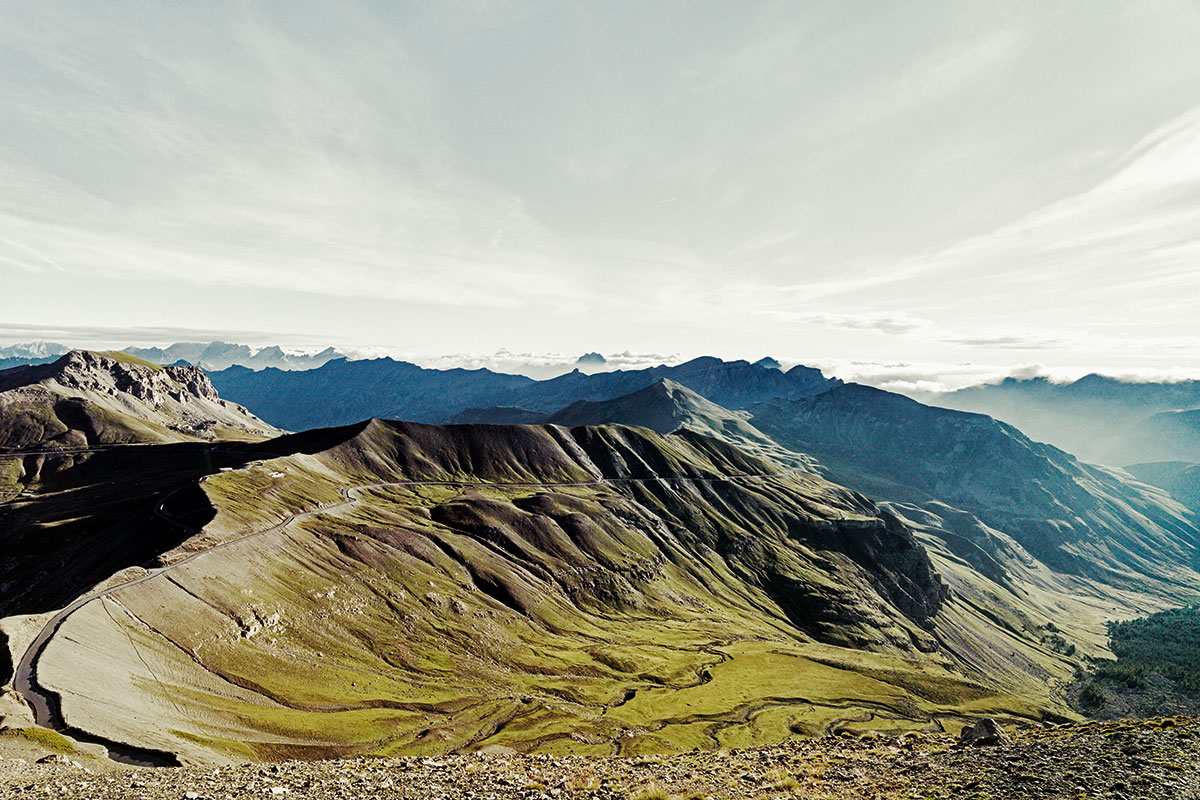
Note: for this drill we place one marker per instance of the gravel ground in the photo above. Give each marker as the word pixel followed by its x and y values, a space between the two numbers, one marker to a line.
pixel 1130 759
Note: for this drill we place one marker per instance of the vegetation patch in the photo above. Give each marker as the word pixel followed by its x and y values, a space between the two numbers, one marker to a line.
pixel 1166 643
pixel 43 737
pixel 1155 670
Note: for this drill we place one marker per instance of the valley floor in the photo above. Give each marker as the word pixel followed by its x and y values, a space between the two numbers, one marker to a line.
pixel 1124 759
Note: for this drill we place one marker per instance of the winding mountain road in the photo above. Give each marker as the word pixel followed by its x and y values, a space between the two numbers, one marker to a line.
pixel 45 703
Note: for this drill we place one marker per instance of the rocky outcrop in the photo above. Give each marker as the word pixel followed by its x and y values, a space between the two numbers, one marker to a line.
pixel 1156 760
pixel 86 371
pixel 85 399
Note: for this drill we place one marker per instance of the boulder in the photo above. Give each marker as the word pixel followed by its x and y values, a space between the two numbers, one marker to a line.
pixel 984 733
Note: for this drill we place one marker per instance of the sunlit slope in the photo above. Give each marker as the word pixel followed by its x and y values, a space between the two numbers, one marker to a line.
pixel 1180 479
pixel 638 593
pixel 1100 419
pixel 1167 436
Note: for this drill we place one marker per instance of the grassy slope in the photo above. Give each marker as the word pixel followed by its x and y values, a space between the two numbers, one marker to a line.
pixel 630 617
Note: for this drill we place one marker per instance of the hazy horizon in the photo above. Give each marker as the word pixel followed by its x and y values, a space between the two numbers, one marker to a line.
pixel 915 379
pixel 909 195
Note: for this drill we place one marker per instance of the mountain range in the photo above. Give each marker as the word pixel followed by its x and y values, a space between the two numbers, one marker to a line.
pixel 707 555
pixel 995 498
pixel 342 392
pixel 209 355
pixel 221 355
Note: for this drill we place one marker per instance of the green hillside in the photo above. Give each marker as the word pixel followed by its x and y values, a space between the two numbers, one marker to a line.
pixel 624 592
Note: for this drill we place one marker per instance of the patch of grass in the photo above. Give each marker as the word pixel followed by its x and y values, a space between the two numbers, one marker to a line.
pixel 43 737
pixel 780 781
pixel 651 791
pixel 126 358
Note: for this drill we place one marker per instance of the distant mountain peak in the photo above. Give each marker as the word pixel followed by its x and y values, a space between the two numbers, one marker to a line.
pixel 768 362
pixel 33 350
pixel 222 355
pixel 591 359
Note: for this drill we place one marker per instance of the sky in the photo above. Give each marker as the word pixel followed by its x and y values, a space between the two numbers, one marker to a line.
pixel 916 190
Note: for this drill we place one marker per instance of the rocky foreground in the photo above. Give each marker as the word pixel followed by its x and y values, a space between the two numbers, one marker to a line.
pixel 1128 759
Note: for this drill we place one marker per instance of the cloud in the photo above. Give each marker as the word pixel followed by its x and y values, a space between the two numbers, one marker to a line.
pixel 539 365
pixel 890 322
pixel 319 175
pixel 774 303
pixel 1008 342
pixel 109 336
pixel 913 182
pixel 1126 240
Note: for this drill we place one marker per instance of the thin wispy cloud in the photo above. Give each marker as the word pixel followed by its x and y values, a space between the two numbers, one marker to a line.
pixel 1010 342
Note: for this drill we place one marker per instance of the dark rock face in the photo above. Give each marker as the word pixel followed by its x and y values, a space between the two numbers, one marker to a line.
pixel 6 665
pixel 900 566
